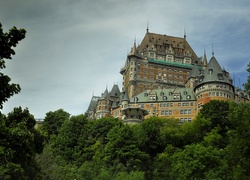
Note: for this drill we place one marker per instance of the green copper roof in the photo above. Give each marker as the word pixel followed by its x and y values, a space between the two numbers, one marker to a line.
pixel 164 95
pixel 176 64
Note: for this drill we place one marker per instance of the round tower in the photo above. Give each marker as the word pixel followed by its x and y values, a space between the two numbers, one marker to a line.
pixel 104 105
pixel 213 84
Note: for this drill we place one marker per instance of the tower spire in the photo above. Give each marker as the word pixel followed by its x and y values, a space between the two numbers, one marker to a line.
pixel 205 59
pixel 134 47
pixel 185 34
pixel 147 27
pixel 212 50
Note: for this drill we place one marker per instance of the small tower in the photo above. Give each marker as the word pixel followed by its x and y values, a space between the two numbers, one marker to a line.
pixel 104 105
pixel 213 84
pixel 125 100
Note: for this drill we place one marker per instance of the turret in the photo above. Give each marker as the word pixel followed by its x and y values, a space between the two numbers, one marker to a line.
pixel 213 84
pixel 125 100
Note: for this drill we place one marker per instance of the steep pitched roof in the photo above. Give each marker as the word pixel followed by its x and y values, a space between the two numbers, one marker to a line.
pixel 115 92
pixel 105 95
pixel 152 39
pixel 125 96
pixel 93 103
pixel 205 59
pixel 213 72
pixel 194 72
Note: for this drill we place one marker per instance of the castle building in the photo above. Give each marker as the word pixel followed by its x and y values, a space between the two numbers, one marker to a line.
pixel 165 77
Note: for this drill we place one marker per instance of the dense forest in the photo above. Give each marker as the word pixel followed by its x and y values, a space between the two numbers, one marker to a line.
pixel 216 145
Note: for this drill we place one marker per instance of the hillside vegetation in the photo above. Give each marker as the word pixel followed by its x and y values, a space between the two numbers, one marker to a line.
pixel 215 146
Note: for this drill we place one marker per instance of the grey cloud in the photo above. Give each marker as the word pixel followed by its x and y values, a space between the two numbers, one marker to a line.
pixel 75 48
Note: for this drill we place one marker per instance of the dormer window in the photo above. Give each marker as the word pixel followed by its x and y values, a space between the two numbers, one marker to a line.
pixel 220 76
pixel 210 71
pixel 152 98
pixel 176 97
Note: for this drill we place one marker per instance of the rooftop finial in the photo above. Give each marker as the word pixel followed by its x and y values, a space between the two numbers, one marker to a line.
pixel 205 58
pixel 212 50
pixel 147 27
pixel 134 47
pixel 185 35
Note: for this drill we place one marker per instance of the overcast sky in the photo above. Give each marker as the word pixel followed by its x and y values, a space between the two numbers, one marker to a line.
pixel 76 48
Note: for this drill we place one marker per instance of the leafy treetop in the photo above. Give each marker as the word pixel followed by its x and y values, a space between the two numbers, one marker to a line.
pixel 7 42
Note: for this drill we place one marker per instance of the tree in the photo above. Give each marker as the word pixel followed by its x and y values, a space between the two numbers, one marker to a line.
pixel 7 42
pixel 238 150
pixel 53 121
pixel 247 84
pixel 67 143
pixel 217 112
pixel 197 162
pixel 19 143
pixel 122 152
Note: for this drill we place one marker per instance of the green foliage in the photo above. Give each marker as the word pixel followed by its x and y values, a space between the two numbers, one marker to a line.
pixel 217 112
pixel 19 143
pixel 214 146
pixel 7 42
pixel 72 138
pixel 195 161
pixel 122 152
pixel 238 149
pixel 134 175
pixel 53 121
pixel 247 84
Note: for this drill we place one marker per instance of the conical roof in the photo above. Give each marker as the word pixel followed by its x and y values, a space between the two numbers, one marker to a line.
pixel 105 95
pixel 125 96
pixel 213 72
pixel 93 103
pixel 115 92
pixel 205 59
